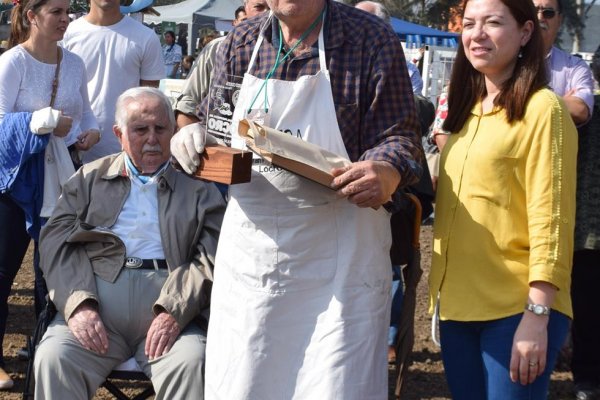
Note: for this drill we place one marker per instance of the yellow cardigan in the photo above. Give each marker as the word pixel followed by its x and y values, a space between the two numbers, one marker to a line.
pixel 505 212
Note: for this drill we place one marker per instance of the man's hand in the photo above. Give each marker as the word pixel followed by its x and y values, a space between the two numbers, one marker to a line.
pixel 64 126
pixel 88 328
pixel 161 335
pixel 576 106
pixel 366 183
pixel 87 139
pixel 187 145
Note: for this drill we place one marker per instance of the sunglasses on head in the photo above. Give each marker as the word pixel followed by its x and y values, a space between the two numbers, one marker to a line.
pixel 547 13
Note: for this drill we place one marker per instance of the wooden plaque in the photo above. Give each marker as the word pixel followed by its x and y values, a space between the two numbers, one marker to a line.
pixel 225 165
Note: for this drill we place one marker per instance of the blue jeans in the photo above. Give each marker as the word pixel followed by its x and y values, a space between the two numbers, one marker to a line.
pixel 397 299
pixel 476 358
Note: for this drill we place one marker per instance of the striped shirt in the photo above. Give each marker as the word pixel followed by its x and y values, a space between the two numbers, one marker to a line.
pixel 371 88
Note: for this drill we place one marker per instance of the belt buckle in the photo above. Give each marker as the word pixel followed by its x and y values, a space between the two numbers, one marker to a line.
pixel 133 262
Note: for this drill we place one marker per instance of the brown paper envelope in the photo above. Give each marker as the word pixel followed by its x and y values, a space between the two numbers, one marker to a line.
pixel 291 153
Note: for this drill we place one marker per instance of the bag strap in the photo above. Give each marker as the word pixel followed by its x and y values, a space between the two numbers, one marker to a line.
pixel 56 75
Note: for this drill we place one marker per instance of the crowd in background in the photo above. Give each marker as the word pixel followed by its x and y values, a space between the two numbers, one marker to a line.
pixel 513 163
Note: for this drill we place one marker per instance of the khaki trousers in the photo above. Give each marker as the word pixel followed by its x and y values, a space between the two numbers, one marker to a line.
pixel 65 370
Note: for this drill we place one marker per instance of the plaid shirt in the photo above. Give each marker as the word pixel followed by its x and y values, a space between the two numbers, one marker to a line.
pixel 371 88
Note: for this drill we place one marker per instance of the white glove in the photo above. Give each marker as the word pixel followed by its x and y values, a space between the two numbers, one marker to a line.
pixel 44 121
pixel 187 145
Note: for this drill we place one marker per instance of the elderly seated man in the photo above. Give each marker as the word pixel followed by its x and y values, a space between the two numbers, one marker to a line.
pixel 128 257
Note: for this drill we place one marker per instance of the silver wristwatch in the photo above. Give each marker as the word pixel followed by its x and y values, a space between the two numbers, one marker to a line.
pixel 538 309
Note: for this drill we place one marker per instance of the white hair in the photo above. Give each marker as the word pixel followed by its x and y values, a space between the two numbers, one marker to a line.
pixel 379 9
pixel 135 94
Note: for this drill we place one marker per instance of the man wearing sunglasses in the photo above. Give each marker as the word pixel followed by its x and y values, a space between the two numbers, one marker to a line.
pixel 570 76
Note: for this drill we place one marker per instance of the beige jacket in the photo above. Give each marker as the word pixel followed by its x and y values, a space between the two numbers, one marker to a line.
pixel 77 244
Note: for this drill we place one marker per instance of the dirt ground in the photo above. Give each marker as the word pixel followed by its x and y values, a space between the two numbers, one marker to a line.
pixel 426 374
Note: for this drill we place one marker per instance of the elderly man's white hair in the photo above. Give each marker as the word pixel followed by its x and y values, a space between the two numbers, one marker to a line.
pixel 137 93
pixel 375 8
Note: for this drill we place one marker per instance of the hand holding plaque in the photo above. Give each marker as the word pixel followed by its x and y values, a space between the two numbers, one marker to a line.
pixel 291 153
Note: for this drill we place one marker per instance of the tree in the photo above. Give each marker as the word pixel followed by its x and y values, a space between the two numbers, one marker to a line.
pixel 440 13
pixel 79 6
pixel 405 9
pixel 434 13
pixel 574 18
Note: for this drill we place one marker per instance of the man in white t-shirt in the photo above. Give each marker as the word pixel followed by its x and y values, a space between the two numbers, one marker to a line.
pixel 119 53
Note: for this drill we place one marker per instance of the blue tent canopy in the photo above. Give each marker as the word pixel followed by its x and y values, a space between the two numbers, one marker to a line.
pixel 419 34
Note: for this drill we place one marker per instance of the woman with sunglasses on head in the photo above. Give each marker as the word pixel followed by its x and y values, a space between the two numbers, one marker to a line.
pixel 503 235
pixel 44 108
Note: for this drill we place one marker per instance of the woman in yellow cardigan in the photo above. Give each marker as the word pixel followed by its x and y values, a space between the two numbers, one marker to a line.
pixel 503 236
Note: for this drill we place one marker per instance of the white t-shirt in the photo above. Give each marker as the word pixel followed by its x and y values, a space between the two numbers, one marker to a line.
pixel 26 86
pixel 116 58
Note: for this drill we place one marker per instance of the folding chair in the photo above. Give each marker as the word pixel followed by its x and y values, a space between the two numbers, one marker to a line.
pixel 127 371
pixel 412 276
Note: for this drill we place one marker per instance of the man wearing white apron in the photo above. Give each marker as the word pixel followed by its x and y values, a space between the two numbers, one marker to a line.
pixel 300 303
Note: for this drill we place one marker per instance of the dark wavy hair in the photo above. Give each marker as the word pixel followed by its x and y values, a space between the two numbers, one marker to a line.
pixel 467 85
pixel 172 34
pixel 19 24
pixel 240 9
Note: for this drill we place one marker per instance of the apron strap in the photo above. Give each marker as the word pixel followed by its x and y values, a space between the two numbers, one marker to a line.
pixel 255 52
pixel 322 61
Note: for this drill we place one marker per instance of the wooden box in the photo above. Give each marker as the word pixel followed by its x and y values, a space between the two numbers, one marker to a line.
pixel 225 165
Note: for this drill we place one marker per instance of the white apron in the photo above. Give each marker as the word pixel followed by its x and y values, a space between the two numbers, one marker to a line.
pixel 300 303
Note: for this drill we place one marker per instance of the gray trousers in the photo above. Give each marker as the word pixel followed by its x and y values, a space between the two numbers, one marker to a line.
pixel 66 370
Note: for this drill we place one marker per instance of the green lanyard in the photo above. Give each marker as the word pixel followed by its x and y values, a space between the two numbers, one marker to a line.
pixel 278 61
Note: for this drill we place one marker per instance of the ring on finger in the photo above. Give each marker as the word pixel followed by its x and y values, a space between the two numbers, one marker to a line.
pixel 533 363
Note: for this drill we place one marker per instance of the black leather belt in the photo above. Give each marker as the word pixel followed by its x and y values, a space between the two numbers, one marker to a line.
pixel 139 263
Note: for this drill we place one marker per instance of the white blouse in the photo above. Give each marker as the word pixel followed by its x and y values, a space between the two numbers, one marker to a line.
pixel 26 86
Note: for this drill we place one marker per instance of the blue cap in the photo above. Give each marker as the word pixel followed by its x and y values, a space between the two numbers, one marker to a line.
pixel 136 6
